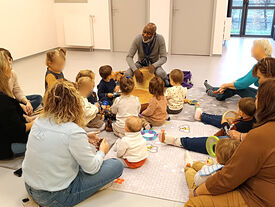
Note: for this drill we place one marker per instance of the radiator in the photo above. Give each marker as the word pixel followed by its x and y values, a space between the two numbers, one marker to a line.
pixel 79 30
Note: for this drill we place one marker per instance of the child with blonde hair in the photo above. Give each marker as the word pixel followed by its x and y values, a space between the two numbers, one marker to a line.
pixel 92 118
pixel 175 95
pixel 55 61
pixel 199 172
pixel 156 114
pixel 124 106
pixel 92 98
pixel 132 149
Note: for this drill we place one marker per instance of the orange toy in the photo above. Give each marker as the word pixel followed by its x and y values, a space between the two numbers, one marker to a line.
pixel 119 181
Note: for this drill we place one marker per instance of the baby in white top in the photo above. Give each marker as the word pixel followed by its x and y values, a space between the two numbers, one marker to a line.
pixel 85 87
pixel 124 106
pixel 175 95
pixel 132 149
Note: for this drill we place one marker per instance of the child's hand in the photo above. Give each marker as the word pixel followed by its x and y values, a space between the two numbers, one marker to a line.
pixel 116 89
pixel 110 95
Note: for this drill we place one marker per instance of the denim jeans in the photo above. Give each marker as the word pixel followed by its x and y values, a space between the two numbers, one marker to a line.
pixel 35 100
pixel 214 120
pixel 196 144
pixel 247 92
pixel 83 186
pixel 18 149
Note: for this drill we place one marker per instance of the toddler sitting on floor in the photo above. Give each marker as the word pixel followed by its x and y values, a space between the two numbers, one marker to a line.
pixel 238 130
pixel 156 112
pixel 124 106
pixel 92 98
pixel 92 118
pixel 132 149
pixel 175 95
pixel 107 86
pixel 200 172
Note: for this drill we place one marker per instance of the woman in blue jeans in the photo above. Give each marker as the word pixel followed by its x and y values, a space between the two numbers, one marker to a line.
pixel 260 50
pixel 61 166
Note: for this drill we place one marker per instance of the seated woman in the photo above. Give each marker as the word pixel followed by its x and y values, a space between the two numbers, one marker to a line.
pixel 13 126
pixel 248 177
pixel 28 103
pixel 60 167
pixel 261 49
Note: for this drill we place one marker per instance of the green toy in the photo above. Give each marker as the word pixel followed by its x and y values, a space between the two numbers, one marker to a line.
pixel 210 143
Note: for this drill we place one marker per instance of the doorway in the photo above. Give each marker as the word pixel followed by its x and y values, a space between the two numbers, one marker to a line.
pixel 192 22
pixel 253 18
pixel 127 21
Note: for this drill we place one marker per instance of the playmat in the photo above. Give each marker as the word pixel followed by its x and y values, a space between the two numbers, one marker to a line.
pixel 162 175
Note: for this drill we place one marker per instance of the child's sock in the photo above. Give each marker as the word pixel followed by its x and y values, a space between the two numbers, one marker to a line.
pixel 198 113
pixel 207 85
pixel 169 140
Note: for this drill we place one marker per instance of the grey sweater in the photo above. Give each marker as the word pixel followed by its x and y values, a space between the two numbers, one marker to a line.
pixel 158 55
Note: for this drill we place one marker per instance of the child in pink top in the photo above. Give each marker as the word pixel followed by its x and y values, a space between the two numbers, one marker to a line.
pixel 156 112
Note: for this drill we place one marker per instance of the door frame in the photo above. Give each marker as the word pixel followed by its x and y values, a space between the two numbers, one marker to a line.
pixel 111 21
pixel 245 9
pixel 171 27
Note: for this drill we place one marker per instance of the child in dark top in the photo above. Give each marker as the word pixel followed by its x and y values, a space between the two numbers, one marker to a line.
pixel 243 124
pixel 55 60
pixel 88 73
pixel 107 86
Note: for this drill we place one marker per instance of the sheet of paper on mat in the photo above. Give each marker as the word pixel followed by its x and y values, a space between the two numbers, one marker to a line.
pixel 162 175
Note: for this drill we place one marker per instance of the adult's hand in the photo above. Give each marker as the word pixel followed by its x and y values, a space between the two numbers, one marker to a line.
pixel 29 108
pixel 104 146
pixel 152 69
pixel 222 88
pixel 139 76
pixel 93 138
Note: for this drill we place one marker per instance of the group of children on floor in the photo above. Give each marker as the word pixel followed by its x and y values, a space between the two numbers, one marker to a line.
pixel 114 95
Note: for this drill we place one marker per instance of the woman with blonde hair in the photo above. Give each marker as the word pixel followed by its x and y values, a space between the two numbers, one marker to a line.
pixel 261 49
pixel 61 167
pixel 28 103
pixel 13 126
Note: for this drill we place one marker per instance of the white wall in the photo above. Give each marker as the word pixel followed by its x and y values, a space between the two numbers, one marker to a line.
pixel 160 14
pixel 27 26
pixel 98 8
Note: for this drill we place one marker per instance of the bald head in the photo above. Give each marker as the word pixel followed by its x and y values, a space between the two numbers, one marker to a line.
pixel 149 31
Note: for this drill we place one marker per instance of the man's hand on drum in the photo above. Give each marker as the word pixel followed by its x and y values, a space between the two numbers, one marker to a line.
pixel 139 76
pixel 152 69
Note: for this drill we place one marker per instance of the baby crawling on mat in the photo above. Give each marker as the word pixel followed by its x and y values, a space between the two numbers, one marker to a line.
pixel 199 172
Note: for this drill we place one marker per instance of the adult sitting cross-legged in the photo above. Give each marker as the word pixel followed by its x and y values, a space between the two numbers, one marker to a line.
pixel 28 103
pixel 14 128
pixel 248 178
pixel 260 50
pixel 151 50
pixel 61 167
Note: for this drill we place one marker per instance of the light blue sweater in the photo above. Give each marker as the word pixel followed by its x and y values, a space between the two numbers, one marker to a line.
pixel 246 81
pixel 54 154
